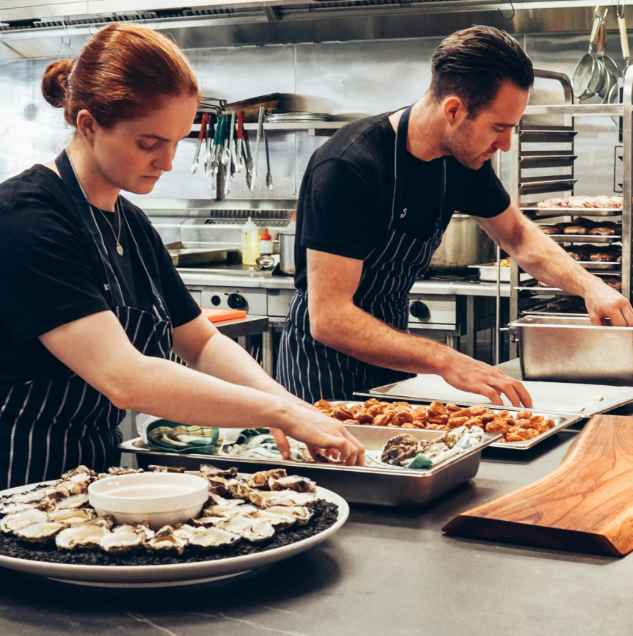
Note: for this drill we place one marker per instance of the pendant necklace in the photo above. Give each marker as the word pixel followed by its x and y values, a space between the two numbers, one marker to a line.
pixel 117 237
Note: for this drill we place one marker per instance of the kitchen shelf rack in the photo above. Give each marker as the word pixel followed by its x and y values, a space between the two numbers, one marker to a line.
pixel 312 127
pixel 561 182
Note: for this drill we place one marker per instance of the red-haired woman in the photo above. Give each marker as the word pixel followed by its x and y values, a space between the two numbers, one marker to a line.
pixel 90 304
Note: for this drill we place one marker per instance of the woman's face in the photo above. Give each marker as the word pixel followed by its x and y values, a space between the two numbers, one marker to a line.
pixel 133 154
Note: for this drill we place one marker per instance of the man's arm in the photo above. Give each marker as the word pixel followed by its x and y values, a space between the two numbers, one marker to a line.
pixel 544 259
pixel 338 323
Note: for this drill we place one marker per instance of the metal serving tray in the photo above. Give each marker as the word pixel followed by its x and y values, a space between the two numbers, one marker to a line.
pixel 566 349
pixel 573 211
pixel 585 238
pixel 183 255
pixel 381 486
pixel 611 266
pixel 559 398
pixel 561 422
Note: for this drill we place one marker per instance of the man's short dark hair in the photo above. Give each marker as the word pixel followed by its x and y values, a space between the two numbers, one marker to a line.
pixel 473 64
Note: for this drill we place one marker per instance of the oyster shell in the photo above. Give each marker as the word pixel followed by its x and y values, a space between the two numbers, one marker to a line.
pixel 300 514
pixel 166 542
pixel 265 499
pixel 121 470
pixel 209 538
pixel 80 472
pixel 298 484
pixel 165 469
pixel 22 519
pixel 82 537
pixel 218 486
pixel 400 449
pixel 207 471
pixel 72 516
pixel 32 497
pixel 275 519
pixel 11 508
pixel 184 531
pixel 239 489
pixel 74 501
pixel 140 528
pixel 261 479
pixel 41 532
pixel 229 511
pixel 221 501
pixel 121 542
pixel 248 528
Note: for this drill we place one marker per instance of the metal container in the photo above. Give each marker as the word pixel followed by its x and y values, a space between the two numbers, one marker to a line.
pixel 287 253
pixel 381 486
pixel 567 349
pixel 488 274
pixel 464 243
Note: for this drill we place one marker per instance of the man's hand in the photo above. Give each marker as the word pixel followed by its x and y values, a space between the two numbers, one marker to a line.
pixel 605 303
pixel 474 376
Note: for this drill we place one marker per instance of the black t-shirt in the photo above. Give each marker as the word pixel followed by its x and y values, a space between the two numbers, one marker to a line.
pixel 51 272
pixel 346 195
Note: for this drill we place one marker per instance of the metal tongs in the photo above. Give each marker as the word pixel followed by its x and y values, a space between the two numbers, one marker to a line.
pixel 228 158
pixel 203 126
pixel 239 155
pixel 260 130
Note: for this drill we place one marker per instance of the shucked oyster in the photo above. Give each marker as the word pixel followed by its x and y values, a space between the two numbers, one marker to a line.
pixel 40 532
pixel 298 514
pixel 165 469
pixel 72 516
pixel 140 528
pixel 83 537
pixel 260 479
pixel 248 528
pixel 80 472
pixel 239 489
pixel 298 484
pixel 207 471
pixel 74 501
pixel 229 511
pixel 209 538
pixel 400 449
pixel 167 542
pixel 121 542
pixel 281 498
pixel 22 519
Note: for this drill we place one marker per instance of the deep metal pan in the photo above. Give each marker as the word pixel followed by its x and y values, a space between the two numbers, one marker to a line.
pixel 387 487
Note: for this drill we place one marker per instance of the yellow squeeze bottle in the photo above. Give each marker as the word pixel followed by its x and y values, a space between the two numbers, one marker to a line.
pixel 250 243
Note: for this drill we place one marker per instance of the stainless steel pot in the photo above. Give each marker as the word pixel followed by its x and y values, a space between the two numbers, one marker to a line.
pixel 287 253
pixel 464 243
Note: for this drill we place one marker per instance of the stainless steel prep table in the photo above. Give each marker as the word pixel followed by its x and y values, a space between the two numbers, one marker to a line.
pixel 387 572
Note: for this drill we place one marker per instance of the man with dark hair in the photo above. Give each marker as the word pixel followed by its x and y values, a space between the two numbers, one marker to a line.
pixel 373 206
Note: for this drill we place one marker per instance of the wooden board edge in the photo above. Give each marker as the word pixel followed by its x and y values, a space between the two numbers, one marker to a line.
pixel 530 535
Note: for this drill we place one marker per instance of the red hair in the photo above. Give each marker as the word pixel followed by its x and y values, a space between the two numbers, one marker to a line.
pixel 123 72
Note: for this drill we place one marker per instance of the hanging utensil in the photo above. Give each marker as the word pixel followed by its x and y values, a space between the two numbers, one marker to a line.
pixel 224 157
pixel 269 177
pixel 230 170
pixel 610 69
pixel 239 156
pixel 209 143
pixel 260 128
pixel 218 146
pixel 248 160
pixel 624 37
pixel 195 162
pixel 587 71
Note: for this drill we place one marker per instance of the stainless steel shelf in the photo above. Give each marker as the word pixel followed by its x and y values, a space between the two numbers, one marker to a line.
pixel 583 238
pixel 571 211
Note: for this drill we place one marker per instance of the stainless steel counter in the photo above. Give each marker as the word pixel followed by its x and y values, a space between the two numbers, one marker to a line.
pixel 387 572
pixel 287 282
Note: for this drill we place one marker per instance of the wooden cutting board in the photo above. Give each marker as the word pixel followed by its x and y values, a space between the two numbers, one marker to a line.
pixel 585 505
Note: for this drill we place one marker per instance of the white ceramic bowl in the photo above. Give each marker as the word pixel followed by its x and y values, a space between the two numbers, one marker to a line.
pixel 158 498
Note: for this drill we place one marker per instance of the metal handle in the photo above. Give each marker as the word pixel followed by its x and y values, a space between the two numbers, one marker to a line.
pixel 596 26
pixel 559 77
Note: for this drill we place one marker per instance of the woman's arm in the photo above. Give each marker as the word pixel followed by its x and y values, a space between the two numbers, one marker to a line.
pixel 99 351
pixel 206 350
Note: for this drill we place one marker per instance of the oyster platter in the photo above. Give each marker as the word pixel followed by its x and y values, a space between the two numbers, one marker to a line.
pixel 247 521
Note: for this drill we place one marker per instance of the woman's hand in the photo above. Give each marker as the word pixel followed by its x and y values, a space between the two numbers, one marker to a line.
pixel 322 435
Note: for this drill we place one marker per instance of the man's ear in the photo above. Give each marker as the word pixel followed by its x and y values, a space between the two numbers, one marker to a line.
pixel 454 110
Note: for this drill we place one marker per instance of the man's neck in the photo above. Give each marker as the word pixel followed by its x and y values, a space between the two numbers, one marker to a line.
pixel 423 138
pixel 99 191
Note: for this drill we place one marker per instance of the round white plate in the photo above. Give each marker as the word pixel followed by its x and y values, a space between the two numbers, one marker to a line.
pixel 168 575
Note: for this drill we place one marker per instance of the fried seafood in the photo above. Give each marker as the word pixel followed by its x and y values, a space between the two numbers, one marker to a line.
pixel 442 417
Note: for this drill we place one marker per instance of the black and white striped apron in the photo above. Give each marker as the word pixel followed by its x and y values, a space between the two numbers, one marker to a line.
pixel 52 424
pixel 310 369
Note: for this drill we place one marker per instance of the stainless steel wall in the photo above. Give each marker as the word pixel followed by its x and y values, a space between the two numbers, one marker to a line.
pixel 352 78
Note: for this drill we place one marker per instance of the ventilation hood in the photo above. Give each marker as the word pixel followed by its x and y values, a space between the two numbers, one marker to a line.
pixel 38 28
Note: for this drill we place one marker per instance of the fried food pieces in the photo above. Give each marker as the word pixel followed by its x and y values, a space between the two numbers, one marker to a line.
pixel 514 427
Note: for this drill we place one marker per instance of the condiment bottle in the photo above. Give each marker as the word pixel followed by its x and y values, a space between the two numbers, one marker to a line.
pixel 250 243
pixel 266 243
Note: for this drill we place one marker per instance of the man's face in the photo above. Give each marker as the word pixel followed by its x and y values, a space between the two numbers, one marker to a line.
pixel 474 141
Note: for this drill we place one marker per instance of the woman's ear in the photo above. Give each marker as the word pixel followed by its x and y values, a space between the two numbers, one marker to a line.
pixel 86 124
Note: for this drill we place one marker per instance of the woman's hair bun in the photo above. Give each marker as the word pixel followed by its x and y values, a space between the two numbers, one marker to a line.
pixel 55 82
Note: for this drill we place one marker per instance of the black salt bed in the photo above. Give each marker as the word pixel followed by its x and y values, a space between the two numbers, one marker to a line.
pixel 325 515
